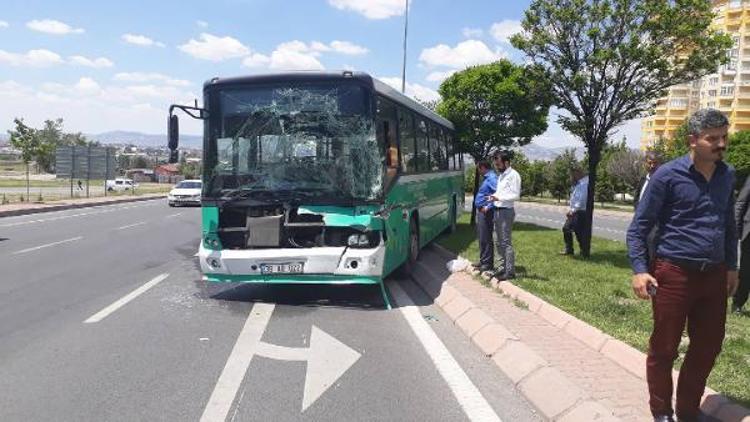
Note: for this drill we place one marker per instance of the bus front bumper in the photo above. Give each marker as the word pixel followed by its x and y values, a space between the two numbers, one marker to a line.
pixel 328 265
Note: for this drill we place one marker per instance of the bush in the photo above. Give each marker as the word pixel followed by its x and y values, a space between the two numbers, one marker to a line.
pixel 469 175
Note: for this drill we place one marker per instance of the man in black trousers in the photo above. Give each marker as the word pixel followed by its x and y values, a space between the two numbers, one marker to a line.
pixel 742 216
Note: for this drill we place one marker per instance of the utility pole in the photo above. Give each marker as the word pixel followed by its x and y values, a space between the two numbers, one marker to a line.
pixel 406 29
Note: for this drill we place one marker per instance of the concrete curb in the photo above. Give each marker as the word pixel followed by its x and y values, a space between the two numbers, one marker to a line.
pixel 531 373
pixel 68 206
pixel 629 358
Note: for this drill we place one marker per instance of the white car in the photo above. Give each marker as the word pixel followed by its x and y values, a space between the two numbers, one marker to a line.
pixel 119 185
pixel 185 192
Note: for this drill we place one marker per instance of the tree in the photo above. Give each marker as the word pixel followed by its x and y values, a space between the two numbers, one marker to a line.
pixel 494 106
pixel 738 155
pixel 557 174
pixel 627 166
pixel 190 170
pixel 607 61
pixel 536 183
pixel 50 137
pixel 26 140
pixel 139 162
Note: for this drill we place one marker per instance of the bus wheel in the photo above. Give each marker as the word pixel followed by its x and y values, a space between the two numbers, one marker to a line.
pixel 412 253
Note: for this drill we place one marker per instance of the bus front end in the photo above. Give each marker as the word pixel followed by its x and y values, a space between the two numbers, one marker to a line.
pixel 293 181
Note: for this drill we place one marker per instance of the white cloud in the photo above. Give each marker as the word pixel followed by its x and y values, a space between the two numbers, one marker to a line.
pixel 51 26
pixel 97 63
pixel 256 60
pixel 372 9
pixel 440 76
pixel 292 59
pixel 141 40
pixel 202 24
pixel 32 58
pixel 141 77
pixel 215 49
pixel 346 47
pixel 472 32
pixel 466 53
pixel 4 24
pixel 502 31
pixel 416 91
pixel 87 86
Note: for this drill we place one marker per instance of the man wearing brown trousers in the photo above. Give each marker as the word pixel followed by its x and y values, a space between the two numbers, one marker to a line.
pixel 691 198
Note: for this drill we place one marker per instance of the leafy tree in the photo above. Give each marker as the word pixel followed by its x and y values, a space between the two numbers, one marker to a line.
pixel 673 147
pixel 536 183
pixel 557 174
pixel 608 60
pixel 494 106
pixel 190 170
pixel 738 155
pixel 470 174
pixel 25 139
pixel 139 162
pixel 50 135
pixel 627 166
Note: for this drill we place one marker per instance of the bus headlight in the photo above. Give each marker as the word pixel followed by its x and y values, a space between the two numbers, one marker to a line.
pixel 211 242
pixel 364 240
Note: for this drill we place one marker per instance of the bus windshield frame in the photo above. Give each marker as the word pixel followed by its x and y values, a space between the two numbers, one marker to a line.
pixel 306 141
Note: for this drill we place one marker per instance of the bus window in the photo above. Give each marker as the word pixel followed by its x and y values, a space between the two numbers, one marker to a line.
pixel 423 147
pixel 436 155
pixel 442 144
pixel 406 139
pixel 386 132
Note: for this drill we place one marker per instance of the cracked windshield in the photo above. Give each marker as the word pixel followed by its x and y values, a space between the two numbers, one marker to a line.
pixel 375 210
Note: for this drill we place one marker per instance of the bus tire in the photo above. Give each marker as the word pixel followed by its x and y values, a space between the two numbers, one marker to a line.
pixel 452 216
pixel 412 253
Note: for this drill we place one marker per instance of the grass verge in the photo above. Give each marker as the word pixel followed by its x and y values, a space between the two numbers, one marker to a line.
pixel 598 291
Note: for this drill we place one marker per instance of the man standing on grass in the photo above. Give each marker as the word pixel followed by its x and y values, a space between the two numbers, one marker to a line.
pixel 507 193
pixel 485 216
pixel 742 215
pixel 691 199
pixel 576 217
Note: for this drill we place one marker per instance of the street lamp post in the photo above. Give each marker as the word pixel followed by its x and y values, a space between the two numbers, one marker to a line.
pixel 406 28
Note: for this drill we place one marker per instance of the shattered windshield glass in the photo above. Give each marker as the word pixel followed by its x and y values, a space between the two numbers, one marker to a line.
pixel 312 141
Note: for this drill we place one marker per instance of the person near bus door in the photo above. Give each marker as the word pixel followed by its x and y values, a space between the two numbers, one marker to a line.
pixel 742 216
pixel 507 193
pixel 692 200
pixel 485 213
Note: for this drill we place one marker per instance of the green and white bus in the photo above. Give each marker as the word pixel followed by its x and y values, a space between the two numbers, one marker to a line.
pixel 320 178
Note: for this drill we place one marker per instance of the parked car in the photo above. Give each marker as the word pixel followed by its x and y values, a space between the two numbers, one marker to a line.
pixel 120 184
pixel 187 192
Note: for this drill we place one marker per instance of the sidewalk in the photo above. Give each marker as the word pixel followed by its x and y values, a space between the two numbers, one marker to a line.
pixel 33 208
pixel 569 370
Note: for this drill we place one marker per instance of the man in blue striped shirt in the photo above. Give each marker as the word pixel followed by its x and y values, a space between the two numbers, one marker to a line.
pixel 691 199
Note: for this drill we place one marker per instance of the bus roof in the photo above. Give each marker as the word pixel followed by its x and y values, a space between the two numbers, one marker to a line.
pixel 379 87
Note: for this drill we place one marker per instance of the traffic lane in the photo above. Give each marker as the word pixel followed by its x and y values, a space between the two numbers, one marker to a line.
pixel 47 228
pixel 44 289
pixel 154 359
pixel 606 227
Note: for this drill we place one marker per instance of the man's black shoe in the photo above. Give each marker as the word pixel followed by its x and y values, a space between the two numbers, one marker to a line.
pixel 737 310
pixel 484 268
pixel 663 418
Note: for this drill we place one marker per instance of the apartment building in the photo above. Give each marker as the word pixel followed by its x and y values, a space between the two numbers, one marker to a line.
pixel 728 89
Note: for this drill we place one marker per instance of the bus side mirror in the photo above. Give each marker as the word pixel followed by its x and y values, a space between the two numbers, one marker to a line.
pixel 173 131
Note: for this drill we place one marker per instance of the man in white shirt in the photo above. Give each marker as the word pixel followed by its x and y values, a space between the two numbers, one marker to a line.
pixel 576 215
pixel 507 193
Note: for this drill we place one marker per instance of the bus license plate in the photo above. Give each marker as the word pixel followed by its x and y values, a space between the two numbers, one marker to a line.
pixel 289 268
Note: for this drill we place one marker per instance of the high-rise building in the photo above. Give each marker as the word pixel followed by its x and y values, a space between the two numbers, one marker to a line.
pixel 728 89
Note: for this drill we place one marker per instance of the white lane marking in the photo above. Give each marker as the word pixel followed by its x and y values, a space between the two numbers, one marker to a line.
pixel 48 245
pixel 469 397
pixel 231 377
pixel 125 299
pixel 82 214
pixel 131 225
pixel 173 215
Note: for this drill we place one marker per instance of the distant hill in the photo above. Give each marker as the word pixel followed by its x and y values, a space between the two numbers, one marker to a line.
pixel 536 152
pixel 143 139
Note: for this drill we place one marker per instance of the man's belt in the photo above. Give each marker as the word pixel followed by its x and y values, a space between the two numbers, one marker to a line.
pixel 691 265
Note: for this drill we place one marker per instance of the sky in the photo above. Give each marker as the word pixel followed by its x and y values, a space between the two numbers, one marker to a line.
pixel 104 65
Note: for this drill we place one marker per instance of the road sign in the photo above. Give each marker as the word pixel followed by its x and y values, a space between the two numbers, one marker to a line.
pixel 85 162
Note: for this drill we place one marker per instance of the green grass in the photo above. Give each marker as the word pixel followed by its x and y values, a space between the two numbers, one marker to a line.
pixel 21 183
pixel 598 291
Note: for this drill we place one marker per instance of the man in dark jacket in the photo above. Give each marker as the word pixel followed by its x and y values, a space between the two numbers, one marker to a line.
pixel 742 216
pixel 653 161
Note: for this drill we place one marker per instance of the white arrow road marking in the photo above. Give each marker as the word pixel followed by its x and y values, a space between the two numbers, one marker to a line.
pixel 231 377
pixel 472 401
pixel 327 360
pixel 125 299
pixel 36 248
pixel 131 225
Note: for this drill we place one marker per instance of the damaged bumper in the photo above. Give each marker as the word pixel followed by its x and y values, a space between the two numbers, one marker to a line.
pixel 329 265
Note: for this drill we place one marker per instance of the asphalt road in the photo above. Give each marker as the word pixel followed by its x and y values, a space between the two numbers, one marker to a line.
pixel 104 316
